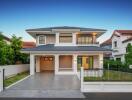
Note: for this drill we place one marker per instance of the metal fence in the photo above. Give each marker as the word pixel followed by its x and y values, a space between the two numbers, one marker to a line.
pixel 107 75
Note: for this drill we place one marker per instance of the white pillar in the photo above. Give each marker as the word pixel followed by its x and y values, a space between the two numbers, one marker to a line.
pixel 74 63
pixel 37 64
pixel 56 64
pixel 37 40
pixel 57 39
pixel 32 64
pixel 74 38
pixel 101 60
pixel 1 79
pixel 82 78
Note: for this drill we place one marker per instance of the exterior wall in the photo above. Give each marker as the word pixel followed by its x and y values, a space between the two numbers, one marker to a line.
pixel 106 87
pixel 65 61
pixel 66 44
pixel 50 39
pixel 70 61
pixel 11 70
pixel 96 61
pixel 37 64
pixel 54 39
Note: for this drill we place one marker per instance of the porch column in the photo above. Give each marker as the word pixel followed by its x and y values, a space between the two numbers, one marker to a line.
pixel 32 64
pixel 74 38
pixel 37 64
pixel 56 64
pixel 57 39
pixel 101 61
pixel 74 64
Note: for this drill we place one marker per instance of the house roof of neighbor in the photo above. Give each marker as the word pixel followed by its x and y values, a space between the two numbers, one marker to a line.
pixel 5 37
pixel 107 42
pixel 28 44
pixel 127 40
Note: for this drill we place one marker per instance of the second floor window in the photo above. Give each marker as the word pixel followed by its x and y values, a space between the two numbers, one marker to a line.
pixel 115 44
pixel 84 39
pixel 65 38
pixel 42 39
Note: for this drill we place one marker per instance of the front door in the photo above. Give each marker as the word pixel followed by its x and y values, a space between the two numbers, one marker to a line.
pixel 47 63
pixel 85 61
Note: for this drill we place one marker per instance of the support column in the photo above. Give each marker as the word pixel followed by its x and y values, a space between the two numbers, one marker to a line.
pixel 101 61
pixel 32 64
pixel 37 64
pixel 74 38
pixel 74 63
pixel 56 64
pixel 57 39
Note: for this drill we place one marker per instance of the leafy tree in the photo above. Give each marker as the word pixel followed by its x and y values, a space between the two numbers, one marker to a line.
pixel 128 56
pixel 6 52
pixel 16 45
pixel 10 53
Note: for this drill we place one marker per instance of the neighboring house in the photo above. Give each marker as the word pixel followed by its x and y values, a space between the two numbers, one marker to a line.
pixel 108 45
pixel 28 44
pixel 6 39
pixel 63 50
pixel 120 40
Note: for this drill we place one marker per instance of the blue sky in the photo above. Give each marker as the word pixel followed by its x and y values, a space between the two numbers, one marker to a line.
pixel 18 15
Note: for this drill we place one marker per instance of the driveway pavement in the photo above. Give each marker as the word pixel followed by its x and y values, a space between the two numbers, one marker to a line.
pixel 46 85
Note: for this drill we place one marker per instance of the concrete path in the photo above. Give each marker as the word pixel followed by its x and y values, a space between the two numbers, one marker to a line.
pixel 46 85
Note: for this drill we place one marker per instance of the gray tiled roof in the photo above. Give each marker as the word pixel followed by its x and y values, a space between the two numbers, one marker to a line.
pixel 51 47
pixel 65 27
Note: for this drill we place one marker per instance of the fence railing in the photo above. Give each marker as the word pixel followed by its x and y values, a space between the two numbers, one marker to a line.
pixel 101 80
pixel 106 75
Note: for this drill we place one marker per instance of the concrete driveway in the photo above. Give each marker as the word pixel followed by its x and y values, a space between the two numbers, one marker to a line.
pixel 46 85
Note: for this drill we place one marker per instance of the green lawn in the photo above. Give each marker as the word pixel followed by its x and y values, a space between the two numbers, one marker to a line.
pixel 15 78
pixel 111 76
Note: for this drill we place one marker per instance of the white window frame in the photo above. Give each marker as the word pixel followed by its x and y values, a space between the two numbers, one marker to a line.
pixel 44 41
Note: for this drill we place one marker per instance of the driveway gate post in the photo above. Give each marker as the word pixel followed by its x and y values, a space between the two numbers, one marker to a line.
pixel 1 79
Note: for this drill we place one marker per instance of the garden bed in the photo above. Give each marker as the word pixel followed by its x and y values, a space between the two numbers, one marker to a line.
pixel 15 78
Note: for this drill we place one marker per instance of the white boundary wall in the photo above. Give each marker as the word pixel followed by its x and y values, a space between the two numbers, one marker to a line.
pixel 104 86
pixel 11 70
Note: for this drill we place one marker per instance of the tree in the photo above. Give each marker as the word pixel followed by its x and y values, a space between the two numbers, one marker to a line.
pixel 6 52
pixel 128 56
pixel 16 45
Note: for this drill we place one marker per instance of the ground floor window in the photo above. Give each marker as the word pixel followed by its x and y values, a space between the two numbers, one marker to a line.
pixel 85 61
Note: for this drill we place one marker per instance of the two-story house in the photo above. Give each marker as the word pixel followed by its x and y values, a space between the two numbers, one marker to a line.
pixel 120 40
pixel 63 50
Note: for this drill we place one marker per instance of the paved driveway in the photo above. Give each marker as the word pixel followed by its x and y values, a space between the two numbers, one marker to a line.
pixel 43 85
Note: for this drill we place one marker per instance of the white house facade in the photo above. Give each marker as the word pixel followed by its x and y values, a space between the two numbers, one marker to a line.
pixel 120 40
pixel 63 50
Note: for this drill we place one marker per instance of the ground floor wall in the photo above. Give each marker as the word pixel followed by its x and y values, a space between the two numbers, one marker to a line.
pixel 61 63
